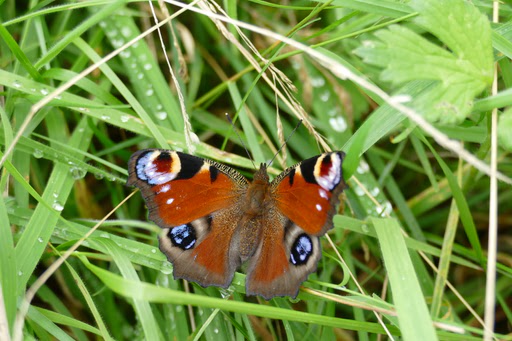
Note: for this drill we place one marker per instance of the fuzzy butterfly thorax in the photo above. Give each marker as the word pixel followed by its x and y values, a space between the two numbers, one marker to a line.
pixel 214 219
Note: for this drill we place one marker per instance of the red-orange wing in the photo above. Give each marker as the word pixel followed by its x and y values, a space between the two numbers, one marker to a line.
pixel 195 202
pixel 308 193
pixel 179 188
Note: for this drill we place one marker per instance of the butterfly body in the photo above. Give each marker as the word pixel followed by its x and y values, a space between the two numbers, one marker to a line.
pixel 214 219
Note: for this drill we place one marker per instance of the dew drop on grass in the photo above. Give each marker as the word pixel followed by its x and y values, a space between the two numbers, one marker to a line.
pixel 126 31
pixel 363 167
pixel 40 239
pixel 364 228
pixel 375 191
pixel 161 115
pixel 20 273
pixel 77 173
pixel 140 75
pixel 324 97
pixel 150 92
pixel 359 191
pixel 147 66
pixel 57 207
pixel 99 176
pixel 317 82
pixel 125 54
pixel 166 268
pixel 194 138
pixel 153 251
pixel 44 92
pixel 124 118
pixel 16 84
pixel 37 153
pixel 338 124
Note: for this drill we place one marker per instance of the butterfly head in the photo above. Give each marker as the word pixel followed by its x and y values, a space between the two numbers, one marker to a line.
pixel 261 176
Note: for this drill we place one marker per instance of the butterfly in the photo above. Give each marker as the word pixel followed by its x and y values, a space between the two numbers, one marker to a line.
pixel 214 219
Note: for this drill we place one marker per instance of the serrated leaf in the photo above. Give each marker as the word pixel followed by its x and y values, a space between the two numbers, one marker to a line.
pixel 505 129
pixel 459 74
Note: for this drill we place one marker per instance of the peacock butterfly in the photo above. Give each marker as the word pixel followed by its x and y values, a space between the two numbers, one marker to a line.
pixel 214 219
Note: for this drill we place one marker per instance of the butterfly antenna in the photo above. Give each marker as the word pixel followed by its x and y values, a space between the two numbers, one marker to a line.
pixel 239 138
pixel 286 141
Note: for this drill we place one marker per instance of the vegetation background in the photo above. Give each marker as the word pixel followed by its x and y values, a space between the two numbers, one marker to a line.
pixel 403 87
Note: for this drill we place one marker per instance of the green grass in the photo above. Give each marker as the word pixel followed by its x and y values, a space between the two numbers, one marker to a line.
pixel 403 88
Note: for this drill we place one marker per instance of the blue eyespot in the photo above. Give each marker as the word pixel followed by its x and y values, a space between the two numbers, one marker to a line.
pixel 183 236
pixel 301 250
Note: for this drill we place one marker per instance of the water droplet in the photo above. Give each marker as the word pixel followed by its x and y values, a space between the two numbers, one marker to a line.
pixel 338 124
pixel 125 54
pixel 317 82
pixel 333 112
pixel 77 172
pixel 40 239
pixel 99 176
pixel 55 195
pixel 375 191
pixel 365 228
pixel 125 118
pixel 363 167
pixel 105 117
pixel 37 153
pixel 150 92
pixel 117 43
pixel 216 330
pixel 324 96
pixel 126 31
pixel 140 75
pixel 400 99
pixel 20 273
pixel 57 207
pixel 148 66
pixel 44 92
pixel 16 84
pixel 161 115
pixel 153 251
pixel 194 138
pixel 359 191
pixel 166 268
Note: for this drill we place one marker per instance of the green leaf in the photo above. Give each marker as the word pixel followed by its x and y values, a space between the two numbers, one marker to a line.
pixel 460 72
pixel 413 316
pixel 504 129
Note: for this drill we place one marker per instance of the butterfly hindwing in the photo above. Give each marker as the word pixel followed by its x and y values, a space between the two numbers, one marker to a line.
pixel 190 198
pixel 284 259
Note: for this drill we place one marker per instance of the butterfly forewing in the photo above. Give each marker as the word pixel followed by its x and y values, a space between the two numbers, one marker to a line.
pixel 308 193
